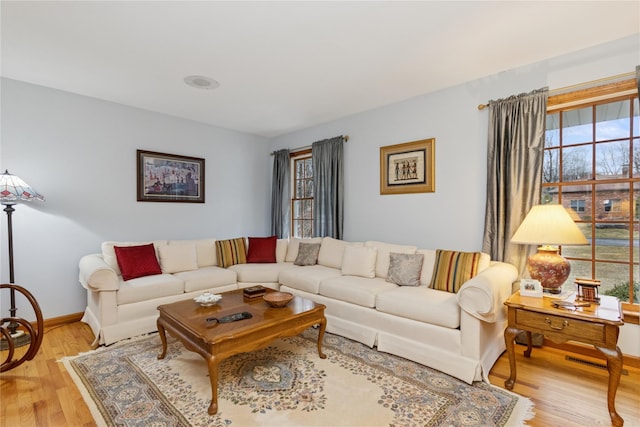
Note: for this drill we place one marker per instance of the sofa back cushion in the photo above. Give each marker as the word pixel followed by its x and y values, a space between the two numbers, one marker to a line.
pixel 294 243
pixel 137 261
pixel 384 249
pixel 453 268
pixel 175 258
pixel 231 252
pixel 109 254
pixel 359 261
pixel 331 251
pixel 205 250
pixel 262 249
pixel 281 249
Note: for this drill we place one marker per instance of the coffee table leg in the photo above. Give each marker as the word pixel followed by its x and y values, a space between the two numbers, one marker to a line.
pixel 323 326
pixel 163 338
pixel 212 362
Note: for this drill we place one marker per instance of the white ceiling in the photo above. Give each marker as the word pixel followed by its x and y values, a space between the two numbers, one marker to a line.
pixel 284 66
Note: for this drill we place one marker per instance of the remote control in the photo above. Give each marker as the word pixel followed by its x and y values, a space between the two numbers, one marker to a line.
pixel 231 318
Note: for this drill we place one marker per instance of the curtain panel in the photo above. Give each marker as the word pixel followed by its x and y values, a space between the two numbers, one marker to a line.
pixel 514 171
pixel 328 182
pixel 280 197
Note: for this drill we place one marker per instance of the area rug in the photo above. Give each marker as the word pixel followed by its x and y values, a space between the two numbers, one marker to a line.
pixel 285 384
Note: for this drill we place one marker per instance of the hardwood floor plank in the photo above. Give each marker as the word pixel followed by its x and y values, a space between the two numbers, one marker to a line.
pixel 566 393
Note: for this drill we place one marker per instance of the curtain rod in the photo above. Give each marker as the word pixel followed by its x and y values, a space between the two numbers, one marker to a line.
pixel 306 147
pixel 589 83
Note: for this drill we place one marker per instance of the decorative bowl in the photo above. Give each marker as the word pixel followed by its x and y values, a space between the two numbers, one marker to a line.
pixel 207 299
pixel 278 299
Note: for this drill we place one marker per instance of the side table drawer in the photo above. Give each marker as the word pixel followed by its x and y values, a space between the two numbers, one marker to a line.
pixel 571 328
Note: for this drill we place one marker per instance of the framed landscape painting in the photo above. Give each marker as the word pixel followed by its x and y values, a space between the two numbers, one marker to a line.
pixel 408 167
pixel 169 178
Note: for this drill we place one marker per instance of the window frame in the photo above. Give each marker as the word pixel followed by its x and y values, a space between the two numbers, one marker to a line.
pixel 294 158
pixel 592 98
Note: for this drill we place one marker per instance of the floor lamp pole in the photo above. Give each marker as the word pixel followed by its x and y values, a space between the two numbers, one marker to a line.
pixel 9 210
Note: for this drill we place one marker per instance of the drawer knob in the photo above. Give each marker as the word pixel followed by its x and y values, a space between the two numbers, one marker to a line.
pixel 557 328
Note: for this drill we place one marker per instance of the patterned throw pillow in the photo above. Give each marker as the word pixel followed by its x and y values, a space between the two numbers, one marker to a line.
pixel 137 261
pixel 307 254
pixel 405 269
pixel 453 268
pixel 231 252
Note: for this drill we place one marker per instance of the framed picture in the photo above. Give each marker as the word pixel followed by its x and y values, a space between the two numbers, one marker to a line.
pixel 169 178
pixel 530 288
pixel 408 167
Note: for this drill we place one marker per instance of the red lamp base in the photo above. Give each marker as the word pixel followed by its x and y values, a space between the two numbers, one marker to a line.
pixel 550 268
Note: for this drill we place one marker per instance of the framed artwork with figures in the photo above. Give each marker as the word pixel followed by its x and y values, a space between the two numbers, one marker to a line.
pixel 408 167
pixel 165 177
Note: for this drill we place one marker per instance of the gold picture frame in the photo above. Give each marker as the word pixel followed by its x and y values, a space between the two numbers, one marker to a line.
pixel 408 167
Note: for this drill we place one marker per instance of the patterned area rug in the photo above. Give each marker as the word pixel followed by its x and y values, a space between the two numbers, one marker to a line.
pixel 286 384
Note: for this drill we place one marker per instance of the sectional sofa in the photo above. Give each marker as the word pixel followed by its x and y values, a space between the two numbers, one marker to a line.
pixel 441 308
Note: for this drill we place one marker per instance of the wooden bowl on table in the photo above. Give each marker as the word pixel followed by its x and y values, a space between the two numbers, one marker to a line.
pixel 278 299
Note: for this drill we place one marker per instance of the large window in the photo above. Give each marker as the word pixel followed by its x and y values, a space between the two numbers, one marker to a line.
pixel 302 197
pixel 592 166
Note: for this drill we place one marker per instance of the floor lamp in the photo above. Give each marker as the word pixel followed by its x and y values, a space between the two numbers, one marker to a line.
pixel 12 190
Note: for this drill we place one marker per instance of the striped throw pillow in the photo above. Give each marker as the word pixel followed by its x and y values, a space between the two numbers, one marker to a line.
pixel 452 269
pixel 231 252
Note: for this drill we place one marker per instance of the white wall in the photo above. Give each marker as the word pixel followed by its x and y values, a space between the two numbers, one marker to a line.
pixel 453 216
pixel 80 153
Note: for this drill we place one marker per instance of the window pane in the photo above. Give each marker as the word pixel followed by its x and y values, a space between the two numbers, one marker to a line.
pixel 299 189
pixel 578 195
pixel 308 168
pixel 308 228
pixel 552 134
pixel 297 228
pixel 612 242
pixel 635 165
pixel 307 206
pixel 297 209
pixel 308 188
pixel 578 269
pixel 577 126
pixel 576 163
pixel 612 120
pixel 612 160
pixel 613 276
pixel 612 202
pixel 636 118
pixel 549 195
pixel 299 169
pixel 551 166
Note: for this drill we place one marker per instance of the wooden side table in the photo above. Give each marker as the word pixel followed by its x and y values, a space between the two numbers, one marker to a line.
pixel 597 325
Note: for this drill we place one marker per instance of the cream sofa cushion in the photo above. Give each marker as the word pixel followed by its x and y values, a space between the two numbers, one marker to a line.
pixel 149 288
pixel 307 278
pixel 205 250
pixel 359 261
pixel 354 289
pixel 207 278
pixel 281 250
pixel 422 304
pixel 260 272
pixel 384 249
pixel 331 251
pixel 294 243
pixel 175 258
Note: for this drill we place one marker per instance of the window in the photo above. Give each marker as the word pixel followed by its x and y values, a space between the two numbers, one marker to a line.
pixel 302 197
pixel 592 165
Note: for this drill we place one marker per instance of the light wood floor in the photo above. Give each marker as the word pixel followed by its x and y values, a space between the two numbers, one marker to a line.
pixel 565 393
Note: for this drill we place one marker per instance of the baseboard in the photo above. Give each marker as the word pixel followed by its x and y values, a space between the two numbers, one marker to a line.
pixel 590 351
pixel 62 320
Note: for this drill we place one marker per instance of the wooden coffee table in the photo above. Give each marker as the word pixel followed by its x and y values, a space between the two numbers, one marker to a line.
pixel 186 320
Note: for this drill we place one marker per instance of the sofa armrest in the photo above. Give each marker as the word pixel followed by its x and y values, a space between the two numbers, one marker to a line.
pixel 96 275
pixel 483 295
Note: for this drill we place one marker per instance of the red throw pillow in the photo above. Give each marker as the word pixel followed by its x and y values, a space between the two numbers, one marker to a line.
pixel 262 249
pixel 137 261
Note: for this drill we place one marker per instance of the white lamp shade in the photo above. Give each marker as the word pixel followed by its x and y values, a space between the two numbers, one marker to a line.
pixel 549 225
pixel 13 189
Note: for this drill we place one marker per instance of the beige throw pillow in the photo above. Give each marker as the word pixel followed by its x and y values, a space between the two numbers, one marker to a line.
pixel 178 257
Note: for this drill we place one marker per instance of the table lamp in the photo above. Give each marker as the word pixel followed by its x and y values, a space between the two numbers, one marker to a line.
pixel 549 226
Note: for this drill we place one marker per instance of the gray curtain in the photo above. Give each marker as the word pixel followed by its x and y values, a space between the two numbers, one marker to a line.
pixel 328 182
pixel 514 171
pixel 280 197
